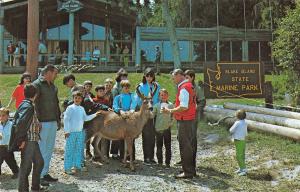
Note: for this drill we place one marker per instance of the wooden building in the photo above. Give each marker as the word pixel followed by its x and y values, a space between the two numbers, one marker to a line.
pixel 109 38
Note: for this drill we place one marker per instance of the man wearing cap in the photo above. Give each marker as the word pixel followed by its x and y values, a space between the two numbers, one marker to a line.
pixel 185 114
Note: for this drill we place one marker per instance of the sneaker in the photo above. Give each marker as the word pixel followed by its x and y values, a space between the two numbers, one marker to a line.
pixel 115 157
pixel 69 172
pixel 147 162
pixel 48 178
pixel 243 172
pixel 183 176
pixel 237 171
pixel 152 161
pixel 44 183
pixel 40 189
pixel 178 163
pixel 168 166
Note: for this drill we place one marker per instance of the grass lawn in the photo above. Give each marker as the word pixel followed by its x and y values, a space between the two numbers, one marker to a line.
pixel 9 82
pixel 261 149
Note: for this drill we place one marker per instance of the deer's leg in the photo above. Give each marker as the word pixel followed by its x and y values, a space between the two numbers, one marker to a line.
pixel 125 152
pixel 88 149
pixel 129 142
pixel 98 139
pixel 103 146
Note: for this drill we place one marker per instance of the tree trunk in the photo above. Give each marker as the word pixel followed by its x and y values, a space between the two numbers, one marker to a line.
pixel 32 37
pixel 262 110
pixel 258 126
pixel 282 121
pixel 172 32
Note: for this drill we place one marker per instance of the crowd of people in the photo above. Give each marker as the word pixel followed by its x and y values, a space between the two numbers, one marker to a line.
pixel 38 117
pixel 15 53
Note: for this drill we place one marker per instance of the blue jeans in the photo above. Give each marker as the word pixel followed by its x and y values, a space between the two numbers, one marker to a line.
pixel 47 142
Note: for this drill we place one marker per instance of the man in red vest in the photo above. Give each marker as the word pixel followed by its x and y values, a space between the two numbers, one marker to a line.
pixel 185 114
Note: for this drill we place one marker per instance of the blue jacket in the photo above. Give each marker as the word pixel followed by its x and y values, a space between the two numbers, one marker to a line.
pixel 145 89
pixel 124 102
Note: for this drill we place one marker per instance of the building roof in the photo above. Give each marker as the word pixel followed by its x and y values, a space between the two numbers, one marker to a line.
pixel 93 11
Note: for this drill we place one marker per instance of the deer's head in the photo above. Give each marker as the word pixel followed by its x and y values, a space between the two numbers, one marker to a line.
pixel 146 104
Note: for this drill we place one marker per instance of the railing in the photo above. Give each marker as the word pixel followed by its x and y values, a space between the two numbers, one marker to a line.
pixel 114 63
pixel 98 60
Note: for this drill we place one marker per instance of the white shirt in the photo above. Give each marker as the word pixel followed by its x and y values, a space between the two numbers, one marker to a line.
pixel 239 130
pixel 74 118
pixel 184 96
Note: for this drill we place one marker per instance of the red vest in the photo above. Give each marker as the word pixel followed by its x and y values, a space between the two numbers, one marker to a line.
pixel 190 113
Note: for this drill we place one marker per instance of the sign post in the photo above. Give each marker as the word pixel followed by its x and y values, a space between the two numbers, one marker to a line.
pixel 70 6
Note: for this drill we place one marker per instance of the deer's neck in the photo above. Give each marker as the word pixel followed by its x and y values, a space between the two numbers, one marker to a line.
pixel 142 118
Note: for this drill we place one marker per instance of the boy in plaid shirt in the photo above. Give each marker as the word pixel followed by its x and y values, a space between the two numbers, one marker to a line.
pixel 25 136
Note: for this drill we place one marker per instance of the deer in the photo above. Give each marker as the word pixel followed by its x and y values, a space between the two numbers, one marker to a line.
pixel 113 126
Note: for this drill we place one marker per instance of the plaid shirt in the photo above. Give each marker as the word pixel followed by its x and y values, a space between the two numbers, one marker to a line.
pixel 34 130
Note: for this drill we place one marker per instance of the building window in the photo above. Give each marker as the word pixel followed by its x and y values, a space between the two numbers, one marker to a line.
pixel 211 50
pixel 148 49
pixel 253 49
pixel 64 32
pixel 87 31
pixel 99 32
pixel 199 51
pixel 237 54
pixel 265 51
pixel 225 51
pixel 53 33
pixel 167 51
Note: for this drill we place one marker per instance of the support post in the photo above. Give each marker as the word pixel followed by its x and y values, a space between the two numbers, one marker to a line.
pixel 32 37
pixel 44 27
pixel 245 51
pixel 137 46
pixel 107 40
pixel 71 38
pixel 2 60
pixel 77 45
pixel 218 51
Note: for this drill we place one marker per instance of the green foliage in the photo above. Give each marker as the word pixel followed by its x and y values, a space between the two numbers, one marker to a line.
pixel 286 49
pixel 279 85
pixel 231 13
pixel 277 8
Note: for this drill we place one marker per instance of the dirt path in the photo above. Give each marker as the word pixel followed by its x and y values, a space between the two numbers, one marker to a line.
pixel 268 171
pixel 112 176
